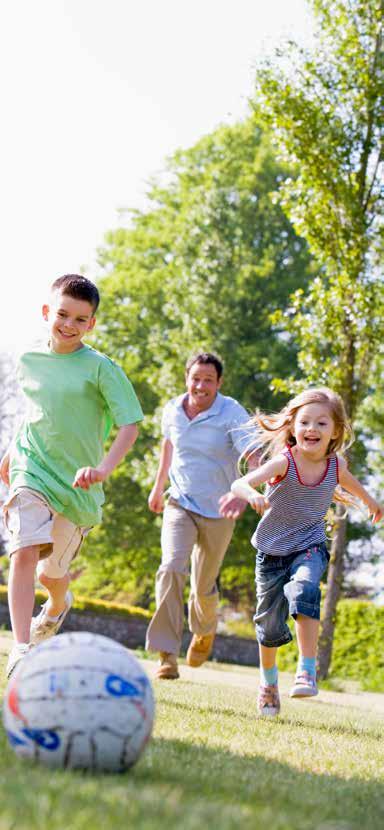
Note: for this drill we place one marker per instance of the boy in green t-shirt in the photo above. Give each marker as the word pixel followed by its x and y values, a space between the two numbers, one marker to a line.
pixel 56 464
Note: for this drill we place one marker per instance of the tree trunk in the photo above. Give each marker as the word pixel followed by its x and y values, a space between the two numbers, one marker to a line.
pixel 334 583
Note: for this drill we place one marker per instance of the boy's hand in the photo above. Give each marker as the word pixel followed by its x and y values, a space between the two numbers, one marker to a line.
pixel 87 476
pixel 231 507
pixel 4 469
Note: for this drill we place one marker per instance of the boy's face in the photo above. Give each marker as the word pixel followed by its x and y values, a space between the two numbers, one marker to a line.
pixel 69 320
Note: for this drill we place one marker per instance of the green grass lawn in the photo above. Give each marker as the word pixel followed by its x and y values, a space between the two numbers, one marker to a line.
pixel 213 764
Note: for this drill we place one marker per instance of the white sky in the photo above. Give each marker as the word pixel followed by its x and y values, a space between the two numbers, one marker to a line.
pixel 95 95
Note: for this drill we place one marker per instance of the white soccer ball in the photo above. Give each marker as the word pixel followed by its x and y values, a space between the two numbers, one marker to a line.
pixel 79 700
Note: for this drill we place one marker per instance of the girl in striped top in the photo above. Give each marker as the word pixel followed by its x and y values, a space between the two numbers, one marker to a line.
pixel 305 471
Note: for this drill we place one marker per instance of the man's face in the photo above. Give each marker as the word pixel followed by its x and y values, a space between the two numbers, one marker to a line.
pixel 69 320
pixel 202 385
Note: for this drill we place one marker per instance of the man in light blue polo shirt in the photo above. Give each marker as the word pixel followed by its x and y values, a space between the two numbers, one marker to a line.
pixel 204 435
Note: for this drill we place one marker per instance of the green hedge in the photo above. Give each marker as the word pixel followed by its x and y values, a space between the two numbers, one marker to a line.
pixel 358 648
pixel 98 606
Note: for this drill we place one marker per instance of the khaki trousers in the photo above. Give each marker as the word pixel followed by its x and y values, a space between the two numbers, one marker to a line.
pixel 186 535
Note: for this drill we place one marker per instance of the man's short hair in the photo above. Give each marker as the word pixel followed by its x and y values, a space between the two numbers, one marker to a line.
pixel 78 287
pixel 205 357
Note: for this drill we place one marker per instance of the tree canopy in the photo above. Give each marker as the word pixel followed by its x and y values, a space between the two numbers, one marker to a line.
pixel 205 266
pixel 325 110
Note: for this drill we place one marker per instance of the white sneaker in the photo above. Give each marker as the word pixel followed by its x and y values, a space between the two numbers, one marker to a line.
pixel 16 654
pixel 42 627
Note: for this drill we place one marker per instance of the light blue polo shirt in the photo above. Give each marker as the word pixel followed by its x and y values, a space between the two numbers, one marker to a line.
pixel 206 450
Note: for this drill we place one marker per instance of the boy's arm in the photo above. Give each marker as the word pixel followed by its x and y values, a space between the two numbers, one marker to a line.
pixel 125 438
pixel 4 467
pixel 353 486
pixel 6 459
pixel 156 496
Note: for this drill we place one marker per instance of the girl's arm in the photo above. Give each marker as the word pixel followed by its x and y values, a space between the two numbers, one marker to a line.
pixel 244 487
pixel 353 486
pixel 231 506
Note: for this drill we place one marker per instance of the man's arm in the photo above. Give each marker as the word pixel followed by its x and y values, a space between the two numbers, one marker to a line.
pixel 156 496
pixel 125 438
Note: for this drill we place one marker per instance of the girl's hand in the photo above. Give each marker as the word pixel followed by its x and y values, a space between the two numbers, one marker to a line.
pixel 259 503
pixel 376 511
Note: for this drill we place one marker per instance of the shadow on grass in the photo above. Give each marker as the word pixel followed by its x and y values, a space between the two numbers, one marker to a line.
pixel 327 728
pixel 295 799
pixel 176 785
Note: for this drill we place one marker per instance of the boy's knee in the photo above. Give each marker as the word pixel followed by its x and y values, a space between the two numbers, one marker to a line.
pixel 49 581
pixel 23 557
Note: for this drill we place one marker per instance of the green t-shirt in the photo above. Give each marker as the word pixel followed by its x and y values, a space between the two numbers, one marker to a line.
pixel 73 401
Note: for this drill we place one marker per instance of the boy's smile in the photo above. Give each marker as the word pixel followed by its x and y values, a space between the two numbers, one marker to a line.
pixel 69 320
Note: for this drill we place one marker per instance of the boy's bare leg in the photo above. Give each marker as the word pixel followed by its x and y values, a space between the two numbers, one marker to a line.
pixel 21 591
pixel 57 589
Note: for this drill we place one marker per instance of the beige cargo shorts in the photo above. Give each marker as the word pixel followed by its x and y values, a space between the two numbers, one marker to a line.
pixel 30 520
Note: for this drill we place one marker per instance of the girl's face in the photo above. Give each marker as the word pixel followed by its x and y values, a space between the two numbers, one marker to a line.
pixel 313 429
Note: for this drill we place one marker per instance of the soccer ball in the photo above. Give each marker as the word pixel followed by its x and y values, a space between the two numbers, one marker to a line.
pixel 79 700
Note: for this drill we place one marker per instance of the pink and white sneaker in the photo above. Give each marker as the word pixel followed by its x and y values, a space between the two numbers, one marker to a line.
pixel 268 702
pixel 304 685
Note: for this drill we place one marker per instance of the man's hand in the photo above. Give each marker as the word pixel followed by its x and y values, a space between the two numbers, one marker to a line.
pixel 156 500
pixel 87 476
pixel 231 507
pixel 4 469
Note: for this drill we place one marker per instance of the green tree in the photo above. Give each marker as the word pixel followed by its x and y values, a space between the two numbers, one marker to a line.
pixel 203 267
pixel 325 108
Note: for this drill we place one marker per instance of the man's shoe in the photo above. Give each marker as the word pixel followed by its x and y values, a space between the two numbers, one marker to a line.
pixel 42 627
pixel 268 702
pixel 304 685
pixel 16 654
pixel 199 649
pixel 167 668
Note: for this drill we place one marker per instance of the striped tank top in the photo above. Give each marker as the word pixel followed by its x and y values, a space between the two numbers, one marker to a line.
pixel 295 519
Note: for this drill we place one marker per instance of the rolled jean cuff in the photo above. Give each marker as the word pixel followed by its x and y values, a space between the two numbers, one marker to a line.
pixel 283 640
pixel 305 608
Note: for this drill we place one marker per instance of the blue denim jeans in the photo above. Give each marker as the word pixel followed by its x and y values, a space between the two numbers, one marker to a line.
pixel 287 585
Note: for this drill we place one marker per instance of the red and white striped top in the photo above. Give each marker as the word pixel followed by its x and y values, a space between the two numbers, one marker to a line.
pixel 295 519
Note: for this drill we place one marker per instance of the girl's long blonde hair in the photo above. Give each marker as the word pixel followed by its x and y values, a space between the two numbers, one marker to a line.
pixel 275 431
